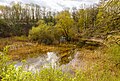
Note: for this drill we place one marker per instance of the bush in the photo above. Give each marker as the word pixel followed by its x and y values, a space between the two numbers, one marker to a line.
pixel 42 33
pixel 114 54
pixel 5 28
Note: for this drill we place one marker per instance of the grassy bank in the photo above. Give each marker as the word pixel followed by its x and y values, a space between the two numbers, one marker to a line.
pixel 101 64
pixel 21 48
pixel 101 68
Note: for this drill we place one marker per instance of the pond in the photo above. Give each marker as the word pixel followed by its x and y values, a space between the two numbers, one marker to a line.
pixel 51 60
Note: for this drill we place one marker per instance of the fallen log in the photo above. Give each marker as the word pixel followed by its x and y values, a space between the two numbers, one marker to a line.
pixel 91 42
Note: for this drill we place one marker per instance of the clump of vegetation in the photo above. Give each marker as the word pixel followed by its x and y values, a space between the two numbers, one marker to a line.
pixel 43 33
pixel 114 55
pixel 48 33
pixel 4 28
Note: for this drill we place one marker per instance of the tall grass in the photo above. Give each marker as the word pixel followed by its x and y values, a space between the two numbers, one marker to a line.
pixel 114 55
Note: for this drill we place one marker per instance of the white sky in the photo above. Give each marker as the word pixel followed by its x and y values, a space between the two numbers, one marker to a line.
pixel 54 4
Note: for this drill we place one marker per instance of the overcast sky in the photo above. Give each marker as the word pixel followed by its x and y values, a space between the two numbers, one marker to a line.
pixel 54 4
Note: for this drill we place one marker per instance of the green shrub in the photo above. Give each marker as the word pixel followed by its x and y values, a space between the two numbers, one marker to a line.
pixel 42 33
pixel 114 54
pixel 5 28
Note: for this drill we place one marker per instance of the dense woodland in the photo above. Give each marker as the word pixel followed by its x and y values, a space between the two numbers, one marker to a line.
pixel 40 24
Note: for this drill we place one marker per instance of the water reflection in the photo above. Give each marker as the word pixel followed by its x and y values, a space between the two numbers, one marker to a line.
pixel 51 60
pixel 35 64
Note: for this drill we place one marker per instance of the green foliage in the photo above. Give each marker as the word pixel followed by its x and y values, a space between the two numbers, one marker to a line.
pixel 4 28
pixel 114 54
pixel 42 33
pixel 65 24
pixel 108 18
pixel 3 61
pixel 95 21
pixel 13 74
pixel 113 51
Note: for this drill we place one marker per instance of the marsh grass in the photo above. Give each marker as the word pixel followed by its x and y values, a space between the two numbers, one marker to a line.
pixel 102 64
